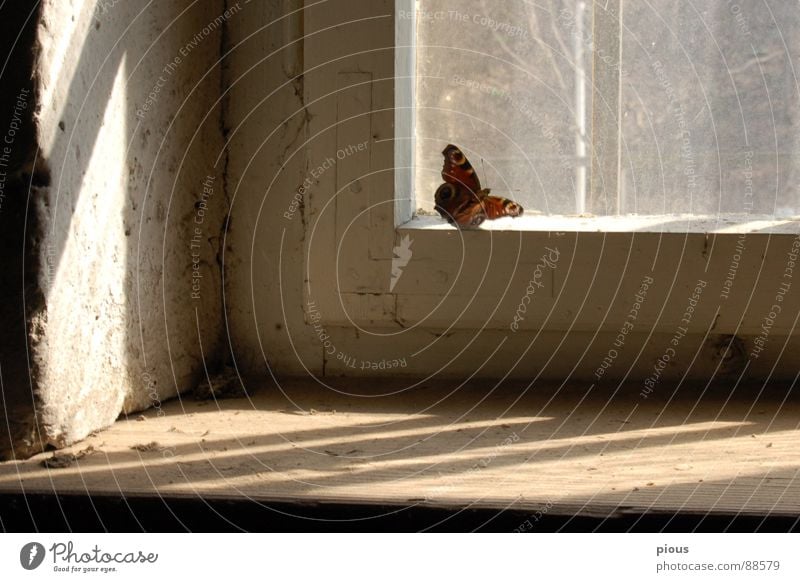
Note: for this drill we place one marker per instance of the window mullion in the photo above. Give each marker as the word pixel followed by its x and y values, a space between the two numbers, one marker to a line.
pixel 605 192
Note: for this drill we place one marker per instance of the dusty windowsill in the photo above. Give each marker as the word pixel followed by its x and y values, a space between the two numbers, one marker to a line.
pixel 508 447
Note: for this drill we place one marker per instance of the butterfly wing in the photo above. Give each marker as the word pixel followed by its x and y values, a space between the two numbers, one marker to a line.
pixel 459 206
pixel 457 170
pixel 496 207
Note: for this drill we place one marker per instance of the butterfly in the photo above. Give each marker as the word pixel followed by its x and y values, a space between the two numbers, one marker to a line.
pixel 461 200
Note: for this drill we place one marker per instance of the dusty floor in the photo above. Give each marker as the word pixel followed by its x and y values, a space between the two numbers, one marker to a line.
pixel 536 449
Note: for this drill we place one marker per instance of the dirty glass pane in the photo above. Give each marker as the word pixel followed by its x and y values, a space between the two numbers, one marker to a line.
pixel 507 83
pixel 710 107
pixel 709 104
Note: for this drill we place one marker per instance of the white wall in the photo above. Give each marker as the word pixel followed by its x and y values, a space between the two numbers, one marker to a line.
pixel 267 128
pixel 113 323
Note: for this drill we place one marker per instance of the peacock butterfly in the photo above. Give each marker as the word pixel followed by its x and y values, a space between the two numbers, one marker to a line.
pixel 461 200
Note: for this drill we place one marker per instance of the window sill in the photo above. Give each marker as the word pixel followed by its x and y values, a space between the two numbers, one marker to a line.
pixel 543 448
pixel 672 223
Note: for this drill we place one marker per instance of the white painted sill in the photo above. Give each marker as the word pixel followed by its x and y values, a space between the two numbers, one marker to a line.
pixel 672 223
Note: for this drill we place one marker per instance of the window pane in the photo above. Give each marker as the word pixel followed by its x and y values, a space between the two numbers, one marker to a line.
pixel 710 102
pixel 499 80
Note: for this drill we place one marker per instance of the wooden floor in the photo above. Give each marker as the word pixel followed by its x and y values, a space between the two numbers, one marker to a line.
pixel 595 453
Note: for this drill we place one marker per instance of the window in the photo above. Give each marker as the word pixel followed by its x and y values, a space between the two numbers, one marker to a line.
pixel 614 108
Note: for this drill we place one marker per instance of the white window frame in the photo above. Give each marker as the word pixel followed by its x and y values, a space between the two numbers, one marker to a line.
pixel 467 280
